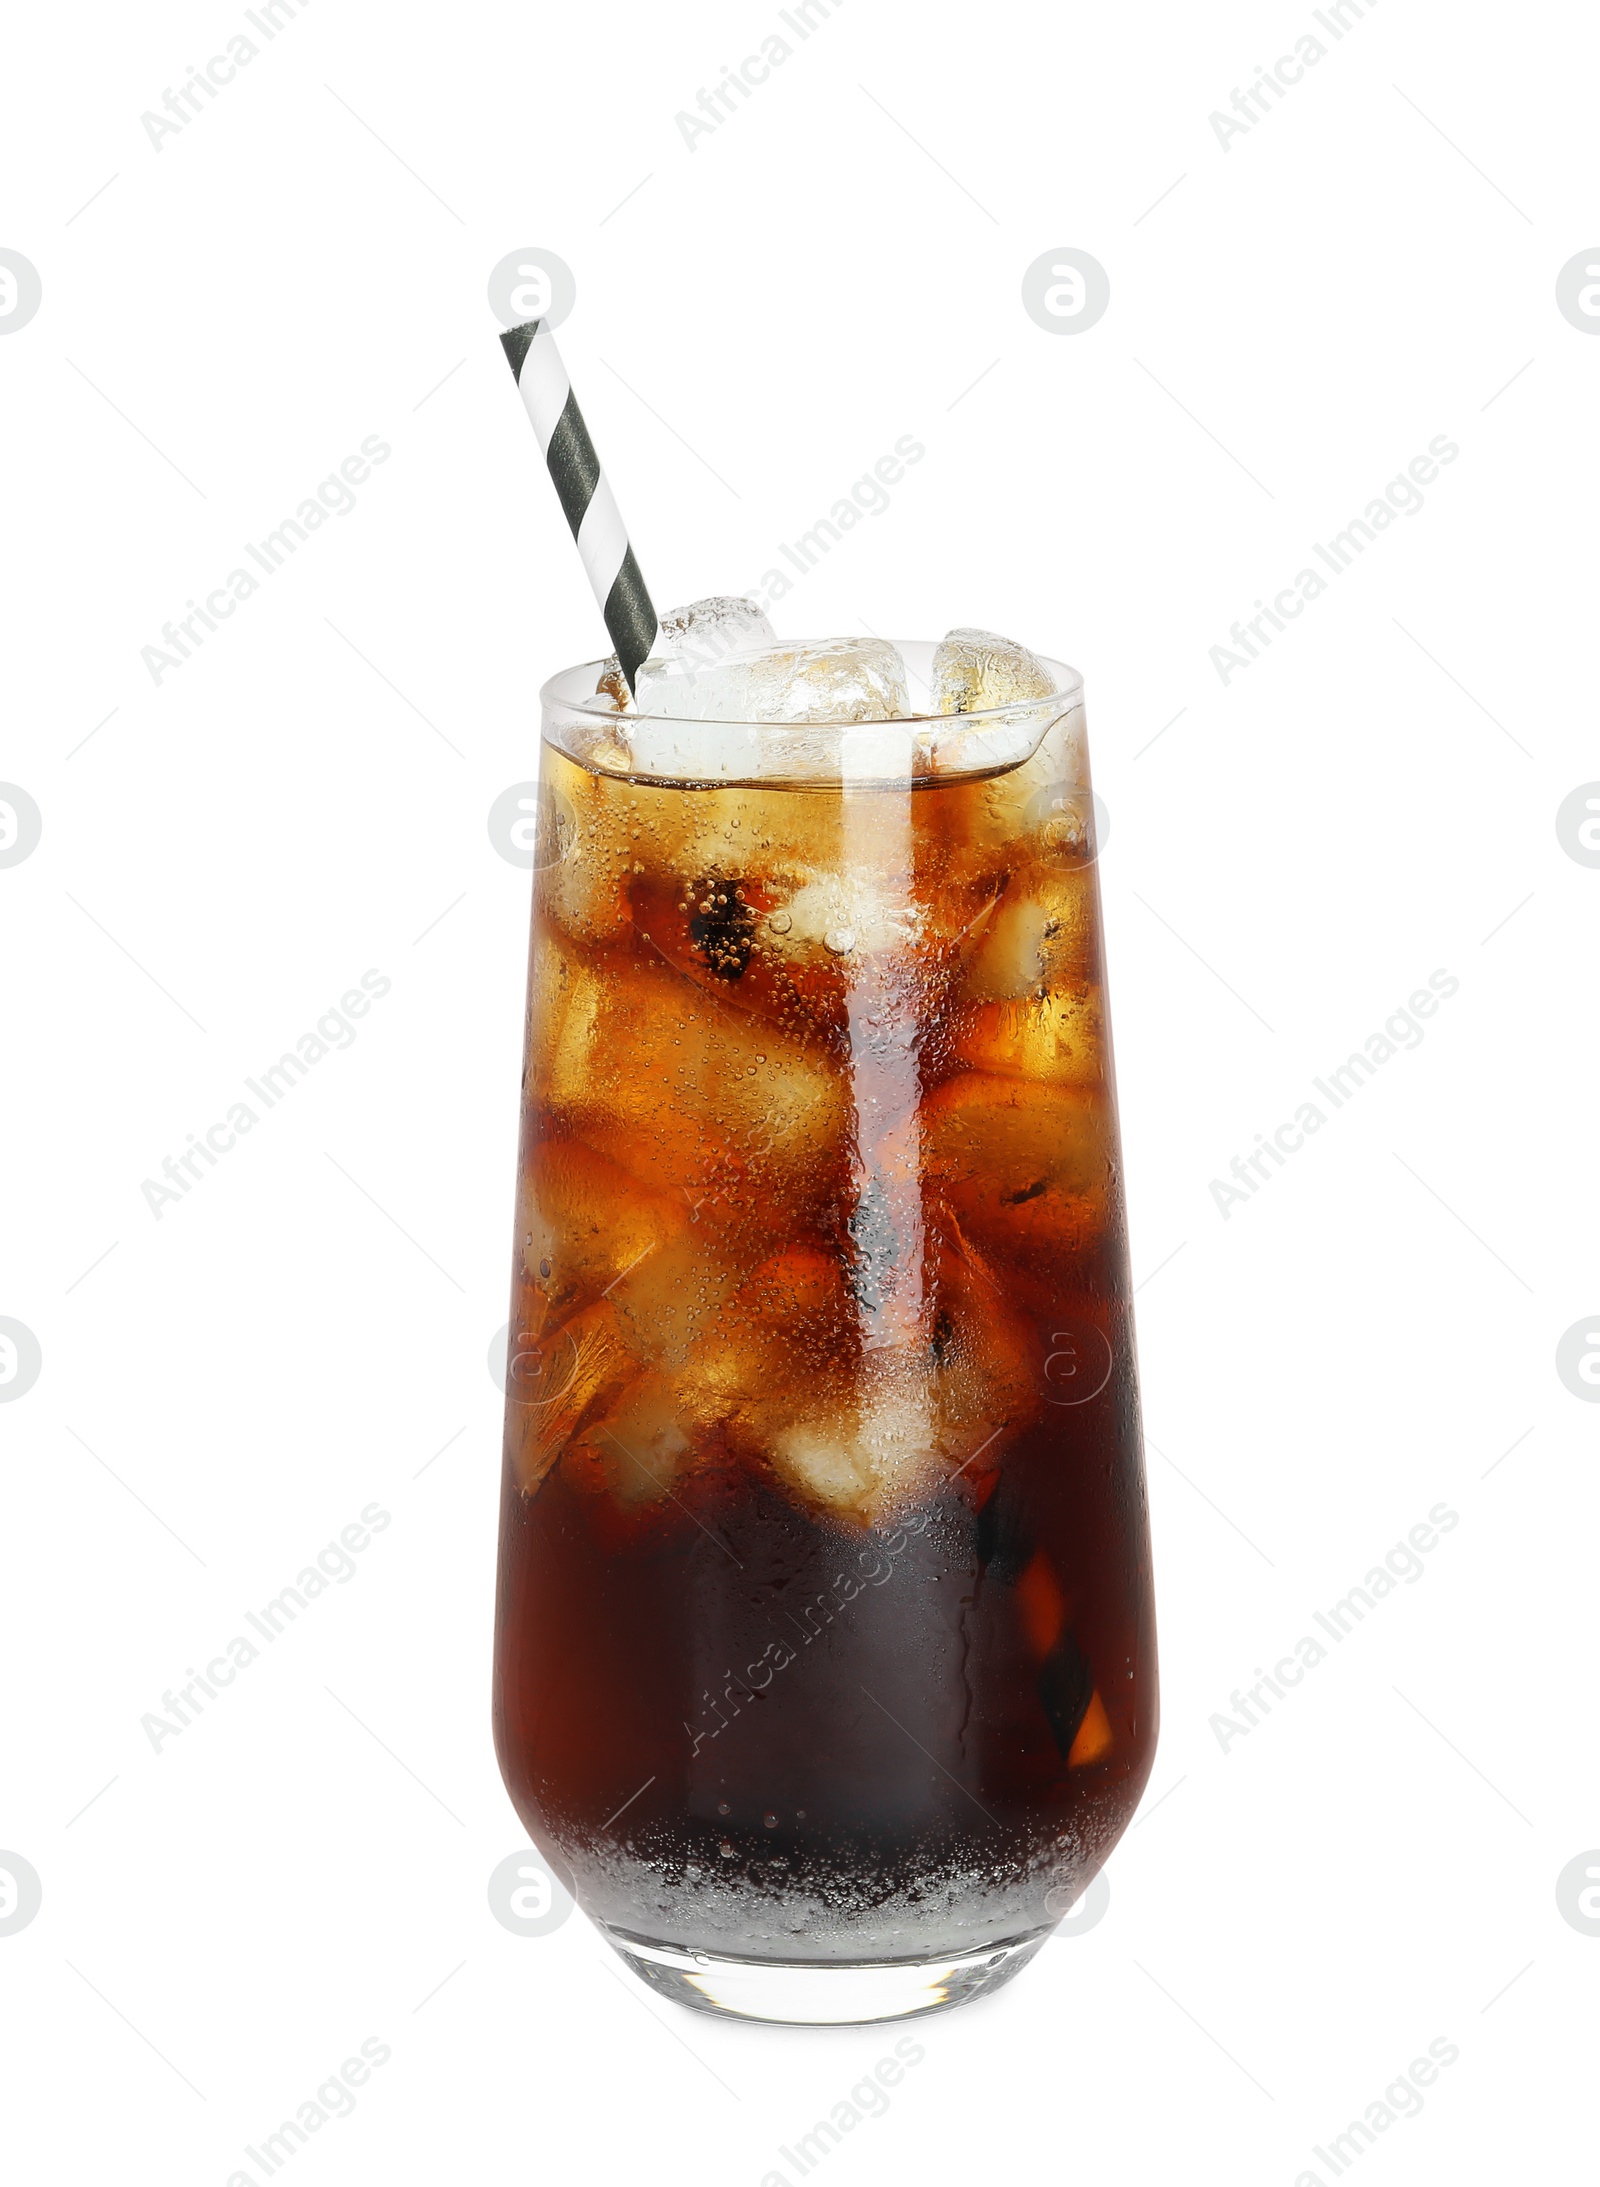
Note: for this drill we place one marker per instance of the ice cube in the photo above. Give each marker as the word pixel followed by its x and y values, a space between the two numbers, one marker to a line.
pixel 875 1456
pixel 1009 958
pixel 977 669
pixel 581 864
pixel 952 1399
pixel 669 1299
pixel 789 1327
pixel 845 681
pixel 1040 935
pixel 1024 1166
pixel 825 1461
pixel 687 1094
pixel 681 678
pixel 709 630
pixel 912 1411
pixel 690 639
pixel 640 1444
pixel 587 1223
pixel 552 1380
pixel 613 685
pixel 1052 1038
pixel 828 680
pixel 839 919
pixel 678 743
pixel 858 1455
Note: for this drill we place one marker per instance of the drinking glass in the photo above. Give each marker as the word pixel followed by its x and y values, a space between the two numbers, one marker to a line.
pixel 825 1653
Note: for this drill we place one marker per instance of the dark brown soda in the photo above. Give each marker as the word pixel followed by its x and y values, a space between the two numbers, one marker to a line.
pixel 824 1625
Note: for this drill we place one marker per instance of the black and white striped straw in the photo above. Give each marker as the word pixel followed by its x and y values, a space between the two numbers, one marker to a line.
pixel 590 505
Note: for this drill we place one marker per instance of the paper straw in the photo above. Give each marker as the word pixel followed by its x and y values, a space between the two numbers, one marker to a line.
pixel 590 506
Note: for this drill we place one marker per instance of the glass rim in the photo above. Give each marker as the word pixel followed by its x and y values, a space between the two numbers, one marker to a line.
pixel 1068 692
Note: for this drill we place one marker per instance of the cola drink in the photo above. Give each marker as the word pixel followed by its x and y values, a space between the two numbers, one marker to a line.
pixel 825 1660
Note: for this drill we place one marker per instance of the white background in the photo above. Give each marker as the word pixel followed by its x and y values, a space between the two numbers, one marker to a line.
pixel 1292 1920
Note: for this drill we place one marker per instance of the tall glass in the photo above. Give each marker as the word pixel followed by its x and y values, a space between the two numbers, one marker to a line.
pixel 825 1644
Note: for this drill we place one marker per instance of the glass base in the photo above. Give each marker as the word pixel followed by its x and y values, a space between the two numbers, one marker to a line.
pixel 813 1994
